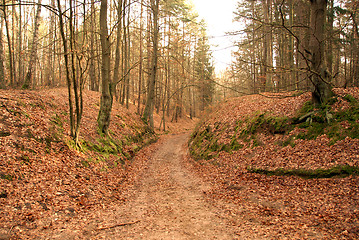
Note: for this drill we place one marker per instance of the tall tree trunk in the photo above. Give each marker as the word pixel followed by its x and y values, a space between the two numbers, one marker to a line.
pixel 116 71
pixel 32 60
pixel 104 114
pixel 49 67
pixel 19 45
pixel 267 51
pixel 329 36
pixel 67 68
pixel 10 49
pixel 140 63
pixel 13 21
pixel 320 77
pixel 355 44
pixel 291 80
pixel 303 14
pixel 148 112
pixel 128 56
pixel 75 80
pixel 2 56
pixel 94 86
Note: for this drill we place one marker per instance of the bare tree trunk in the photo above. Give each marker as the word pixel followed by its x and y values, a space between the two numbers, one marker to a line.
pixel 303 14
pixel 49 67
pixel 13 21
pixel 329 36
pixel 19 47
pixel 355 44
pixel 94 86
pixel 32 60
pixel 75 81
pixel 116 71
pixel 67 67
pixel 267 54
pixel 104 114
pixel 140 63
pixel 291 80
pixel 128 56
pixel 2 57
pixel 148 112
pixel 320 77
pixel 10 50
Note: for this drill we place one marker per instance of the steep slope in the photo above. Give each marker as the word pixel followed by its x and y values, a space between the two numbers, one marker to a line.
pixel 42 177
pixel 290 169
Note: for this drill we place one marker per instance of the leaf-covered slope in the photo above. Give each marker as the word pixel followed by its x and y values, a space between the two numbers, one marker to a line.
pixel 265 132
pixel 286 178
pixel 42 175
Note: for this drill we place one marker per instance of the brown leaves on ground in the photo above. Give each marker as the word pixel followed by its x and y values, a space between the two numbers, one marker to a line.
pixel 282 207
pixel 43 181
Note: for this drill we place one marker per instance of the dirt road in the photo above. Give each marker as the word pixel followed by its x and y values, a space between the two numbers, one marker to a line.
pixel 169 203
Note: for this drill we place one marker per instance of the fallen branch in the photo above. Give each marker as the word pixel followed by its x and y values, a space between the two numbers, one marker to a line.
pixel 117 225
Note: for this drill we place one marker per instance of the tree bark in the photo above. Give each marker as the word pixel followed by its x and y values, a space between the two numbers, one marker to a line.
pixel 104 114
pixel 141 61
pixel 2 57
pixel 67 68
pixel 32 60
pixel 148 112
pixel 94 85
pixel 320 77
pixel 116 71
pixel 355 51
pixel 10 49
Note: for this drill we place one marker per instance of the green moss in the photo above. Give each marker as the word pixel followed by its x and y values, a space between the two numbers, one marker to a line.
pixel 85 163
pixel 318 123
pixel 337 171
pixel 289 141
pixel 266 123
pixel 350 98
pixel 6 176
pixel 104 145
pixel 315 120
pixel 306 108
pixel 234 145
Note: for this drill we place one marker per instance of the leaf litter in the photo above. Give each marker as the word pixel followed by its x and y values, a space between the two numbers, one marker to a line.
pixel 278 207
pixel 44 181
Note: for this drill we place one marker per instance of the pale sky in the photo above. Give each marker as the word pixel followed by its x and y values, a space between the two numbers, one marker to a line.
pixel 218 15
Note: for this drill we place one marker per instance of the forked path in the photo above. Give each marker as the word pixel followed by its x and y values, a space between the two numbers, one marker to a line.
pixel 170 203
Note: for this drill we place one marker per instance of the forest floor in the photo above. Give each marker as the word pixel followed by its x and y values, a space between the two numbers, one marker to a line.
pixel 50 191
pixel 168 202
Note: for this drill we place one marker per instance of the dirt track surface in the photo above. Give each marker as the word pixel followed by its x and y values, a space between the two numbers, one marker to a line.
pixel 169 203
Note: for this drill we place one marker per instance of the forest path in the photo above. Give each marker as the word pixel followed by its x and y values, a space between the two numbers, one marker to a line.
pixel 169 204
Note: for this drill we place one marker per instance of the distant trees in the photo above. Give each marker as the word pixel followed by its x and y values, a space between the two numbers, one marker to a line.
pixel 296 45
pixel 161 57
pixel 33 50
